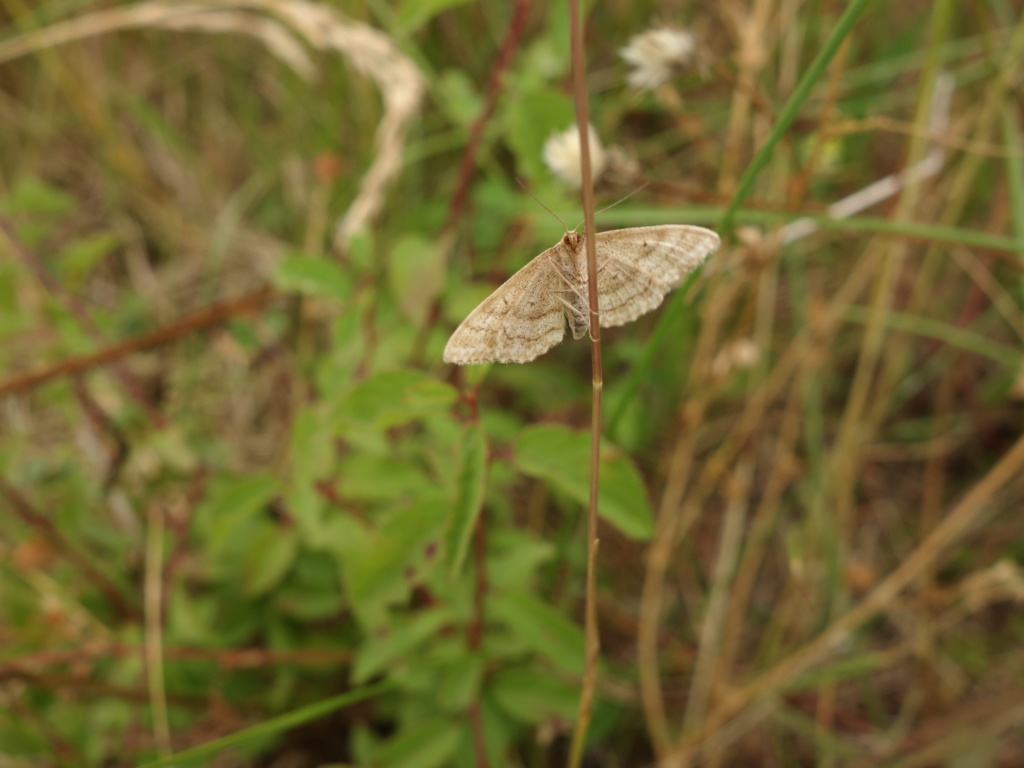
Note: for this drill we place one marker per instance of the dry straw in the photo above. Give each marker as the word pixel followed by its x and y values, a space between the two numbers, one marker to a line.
pixel 279 25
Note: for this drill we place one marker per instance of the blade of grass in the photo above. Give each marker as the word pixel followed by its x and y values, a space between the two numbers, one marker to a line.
pixel 937 233
pixel 792 107
pixel 1015 175
pixel 273 726
pixel 944 332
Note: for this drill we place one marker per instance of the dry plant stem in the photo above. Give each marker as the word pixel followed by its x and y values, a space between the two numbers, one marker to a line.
pixel 855 430
pixel 197 321
pixel 789 362
pixel 508 46
pixel 369 51
pixel 969 513
pixel 475 632
pixel 593 640
pixel 223 658
pixel 670 525
pixel 959 195
pixel 468 161
pixel 711 629
pixel 784 469
pixel 934 482
pixel 798 188
pixel 128 380
pixel 154 635
pixel 752 51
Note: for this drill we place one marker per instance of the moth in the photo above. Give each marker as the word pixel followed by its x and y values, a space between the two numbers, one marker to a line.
pixel 527 315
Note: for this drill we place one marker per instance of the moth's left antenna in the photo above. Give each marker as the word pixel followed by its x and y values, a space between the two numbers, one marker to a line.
pixel 538 202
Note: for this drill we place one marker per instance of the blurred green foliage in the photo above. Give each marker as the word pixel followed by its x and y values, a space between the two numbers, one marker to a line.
pixel 329 486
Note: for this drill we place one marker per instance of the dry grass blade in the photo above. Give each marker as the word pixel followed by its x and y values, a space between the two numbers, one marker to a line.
pixel 976 505
pixel 186 16
pixel 369 51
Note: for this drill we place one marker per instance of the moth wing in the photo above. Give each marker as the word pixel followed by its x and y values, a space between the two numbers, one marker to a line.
pixel 638 266
pixel 520 321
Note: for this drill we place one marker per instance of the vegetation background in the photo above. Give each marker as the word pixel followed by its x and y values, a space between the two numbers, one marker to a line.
pixel 241 494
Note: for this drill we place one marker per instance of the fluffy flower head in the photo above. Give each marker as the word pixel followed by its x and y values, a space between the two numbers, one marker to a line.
pixel 654 55
pixel 562 155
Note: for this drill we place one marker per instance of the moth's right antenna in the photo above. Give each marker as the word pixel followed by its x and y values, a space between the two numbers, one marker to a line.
pixel 622 199
pixel 538 202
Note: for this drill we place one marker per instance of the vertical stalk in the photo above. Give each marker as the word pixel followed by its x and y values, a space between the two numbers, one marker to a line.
pixel 154 629
pixel 593 640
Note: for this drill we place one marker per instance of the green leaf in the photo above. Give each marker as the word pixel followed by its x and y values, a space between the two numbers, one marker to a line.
pixel 271 552
pixel 532 117
pixel 81 255
pixel 397 640
pixel 459 683
pixel 513 558
pixel 33 195
pixel 562 457
pixel 532 696
pixel 381 566
pixel 311 459
pixel 541 627
pixel 416 272
pixel 397 397
pixel 312 591
pixel 312 452
pixel 375 478
pixel 457 97
pixel 191 617
pixel 471 488
pixel 428 744
pixel 232 501
pixel 313 275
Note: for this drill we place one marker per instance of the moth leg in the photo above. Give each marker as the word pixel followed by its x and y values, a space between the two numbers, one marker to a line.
pixel 569 284
pixel 576 311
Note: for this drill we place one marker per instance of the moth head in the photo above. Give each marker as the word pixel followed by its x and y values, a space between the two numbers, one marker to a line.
pixel 572 240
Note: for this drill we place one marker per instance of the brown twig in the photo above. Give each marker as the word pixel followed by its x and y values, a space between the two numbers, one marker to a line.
pixel 508 46
pixel 468 161
pixel 189 324
pixel 325 489
pixel 77 307
pixel 224 658
pixel 593 639
pixel 103 424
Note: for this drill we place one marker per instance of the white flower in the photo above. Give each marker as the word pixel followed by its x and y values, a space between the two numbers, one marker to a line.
pixel 562 155
pixel 654 55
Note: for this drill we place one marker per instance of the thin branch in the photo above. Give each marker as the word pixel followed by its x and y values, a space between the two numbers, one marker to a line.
pixel 189 324
pixel 509 45
pixel 593 639
pixel 77 307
